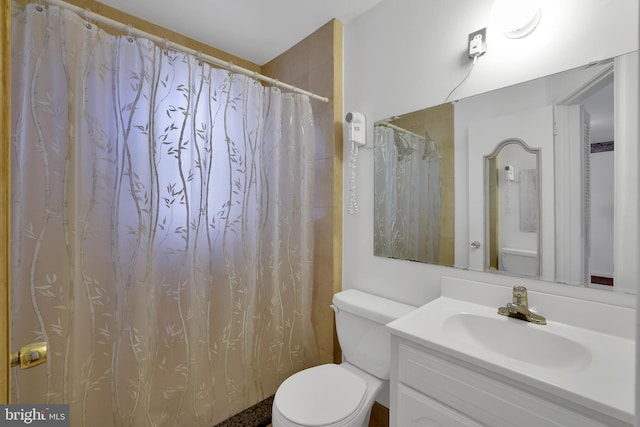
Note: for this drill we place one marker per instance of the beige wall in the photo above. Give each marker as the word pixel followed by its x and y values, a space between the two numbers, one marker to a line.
pixel 439 124
pixel 315 64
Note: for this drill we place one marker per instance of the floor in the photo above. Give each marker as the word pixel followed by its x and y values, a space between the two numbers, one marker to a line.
pixel 259 415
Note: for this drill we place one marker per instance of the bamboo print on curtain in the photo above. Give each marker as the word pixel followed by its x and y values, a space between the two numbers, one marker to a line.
pixel 161 233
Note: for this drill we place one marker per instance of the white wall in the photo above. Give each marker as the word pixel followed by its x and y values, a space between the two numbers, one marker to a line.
pixel 404 55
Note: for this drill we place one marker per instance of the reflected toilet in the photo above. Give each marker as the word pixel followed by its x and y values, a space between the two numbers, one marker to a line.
pixel 519 262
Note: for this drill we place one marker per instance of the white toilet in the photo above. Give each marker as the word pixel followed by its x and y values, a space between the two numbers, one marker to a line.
pixel 343 395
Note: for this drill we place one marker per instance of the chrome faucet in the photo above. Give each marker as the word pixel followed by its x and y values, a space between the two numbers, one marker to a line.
pixel 519 308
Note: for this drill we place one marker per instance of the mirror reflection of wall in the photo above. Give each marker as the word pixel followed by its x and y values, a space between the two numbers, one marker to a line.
pixel 523 142
pixel 414 195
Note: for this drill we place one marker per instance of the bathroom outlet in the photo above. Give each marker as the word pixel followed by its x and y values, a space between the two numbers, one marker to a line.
pixel 477 43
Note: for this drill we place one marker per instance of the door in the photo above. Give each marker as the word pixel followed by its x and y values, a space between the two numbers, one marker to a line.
pixel 535 128
pixel 5 48
pixel 573 194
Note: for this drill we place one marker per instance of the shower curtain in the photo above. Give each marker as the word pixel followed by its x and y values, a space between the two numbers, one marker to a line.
pixel 162 229
pixel 408 196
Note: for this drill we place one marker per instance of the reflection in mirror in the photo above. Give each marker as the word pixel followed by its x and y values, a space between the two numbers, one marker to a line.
pixel 600 106
pixel 512 206
pixel 413 181
pixel 576 239
pixel 533 126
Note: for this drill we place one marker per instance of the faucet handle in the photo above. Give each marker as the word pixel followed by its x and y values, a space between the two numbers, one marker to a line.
pixel 520 295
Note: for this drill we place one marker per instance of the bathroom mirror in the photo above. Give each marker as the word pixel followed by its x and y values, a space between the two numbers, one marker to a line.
pixel 572 184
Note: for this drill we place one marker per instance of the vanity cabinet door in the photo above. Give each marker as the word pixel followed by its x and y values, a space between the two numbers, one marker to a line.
pixel 480 397
pixel 417 410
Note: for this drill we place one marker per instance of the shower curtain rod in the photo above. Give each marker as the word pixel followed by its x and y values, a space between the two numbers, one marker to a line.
pixel 399 129
pixel 228 65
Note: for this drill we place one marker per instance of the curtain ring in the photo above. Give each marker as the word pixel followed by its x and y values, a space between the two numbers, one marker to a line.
pixel 87 17
pixel 129 33
pixel 39 7
pixel 199 57
pixel 165 45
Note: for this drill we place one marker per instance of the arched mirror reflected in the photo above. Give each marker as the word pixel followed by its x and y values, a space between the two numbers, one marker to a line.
pixel 512 209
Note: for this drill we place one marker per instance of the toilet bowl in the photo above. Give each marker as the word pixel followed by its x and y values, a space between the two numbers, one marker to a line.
pixel 326 395
pixel 343 395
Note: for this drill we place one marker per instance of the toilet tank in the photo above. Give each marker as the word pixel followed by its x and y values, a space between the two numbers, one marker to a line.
pixel 360 322
pixel 521 262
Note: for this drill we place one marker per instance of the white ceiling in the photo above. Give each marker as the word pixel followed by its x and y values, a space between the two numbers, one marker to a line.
pixel 255 30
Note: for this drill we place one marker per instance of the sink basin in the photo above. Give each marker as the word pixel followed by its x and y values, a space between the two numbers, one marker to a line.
pixel 518 340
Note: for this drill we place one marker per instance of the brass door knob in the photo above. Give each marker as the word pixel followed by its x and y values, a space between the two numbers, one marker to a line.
pixel 30 355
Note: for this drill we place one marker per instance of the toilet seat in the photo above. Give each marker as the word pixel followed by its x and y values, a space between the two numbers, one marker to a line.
pixel 325 395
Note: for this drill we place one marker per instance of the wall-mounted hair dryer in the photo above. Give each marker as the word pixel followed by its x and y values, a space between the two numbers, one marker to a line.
pixel 510 173
pixel 356 128
pixel 356 135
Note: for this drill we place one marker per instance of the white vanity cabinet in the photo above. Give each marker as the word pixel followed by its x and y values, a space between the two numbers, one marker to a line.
pixel 457 362
pixel 431 389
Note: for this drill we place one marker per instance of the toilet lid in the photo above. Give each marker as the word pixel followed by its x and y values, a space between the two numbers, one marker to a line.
pixel 320 395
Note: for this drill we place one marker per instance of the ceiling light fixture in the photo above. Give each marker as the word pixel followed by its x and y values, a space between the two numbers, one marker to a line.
pixel 517 18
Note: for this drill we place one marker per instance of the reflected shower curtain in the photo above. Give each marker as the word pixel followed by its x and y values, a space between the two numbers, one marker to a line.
pixel 408 196
pixel 162 231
